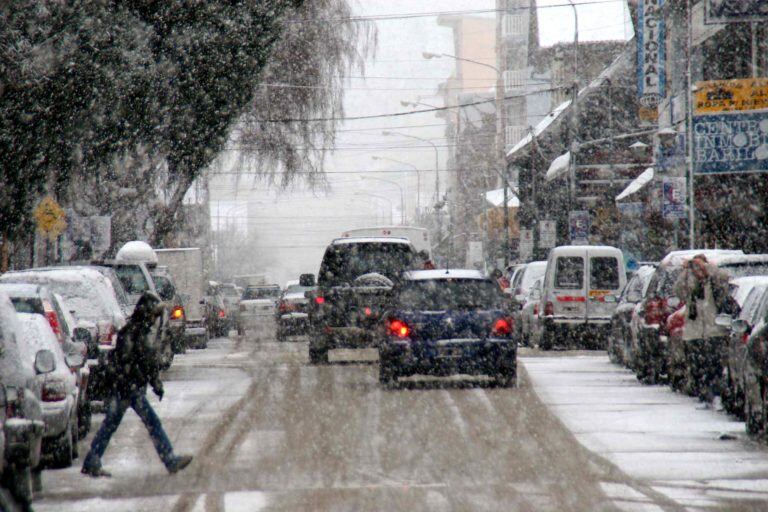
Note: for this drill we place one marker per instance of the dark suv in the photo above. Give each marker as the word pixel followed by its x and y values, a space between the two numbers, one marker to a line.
pixel 354 287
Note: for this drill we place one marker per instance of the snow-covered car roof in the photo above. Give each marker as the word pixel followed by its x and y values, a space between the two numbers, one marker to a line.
pixel 26 290
pixel 424 275
pixel 742 259
pixel 676 258
pixel 89 292
pixel 371 240
pixel 744 285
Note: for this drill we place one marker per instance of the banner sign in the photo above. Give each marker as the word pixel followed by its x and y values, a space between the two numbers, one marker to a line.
pixel 730 143
pixel 579 226
pixel 547 234
pixel 673 198
pixel 525 248
pixel 718 96
pixel 732 11
pixel 651 76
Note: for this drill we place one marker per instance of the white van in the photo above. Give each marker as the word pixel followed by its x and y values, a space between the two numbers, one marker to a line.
pixel 579 294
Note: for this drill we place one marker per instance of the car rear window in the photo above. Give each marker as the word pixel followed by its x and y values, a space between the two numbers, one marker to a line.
pixel 132 278
pixel 343 263
pixel 569 273
pixel 27 305
pixel 663 282
pixel 453 294
pixel 260 293
pixel 604 273
pixel 746 269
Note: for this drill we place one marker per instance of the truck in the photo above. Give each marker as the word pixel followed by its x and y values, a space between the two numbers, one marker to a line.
pixel 186 267
pixel 250 280
pixel 419 237
pixel 354 289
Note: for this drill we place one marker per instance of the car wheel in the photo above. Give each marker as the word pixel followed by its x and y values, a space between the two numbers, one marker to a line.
pixel 547 339
pixel 754 405
pixel 387 375
pixel 318 350
pixel 18 480
pixel 75 436
pixel 84 414
pixel 505 377
pixel 280 334
pixel 62 453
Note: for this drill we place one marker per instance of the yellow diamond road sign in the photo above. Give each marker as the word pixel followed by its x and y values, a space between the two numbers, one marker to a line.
pixel 50 217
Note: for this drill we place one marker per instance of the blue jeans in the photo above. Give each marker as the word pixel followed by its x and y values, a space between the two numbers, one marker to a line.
pixel 115 409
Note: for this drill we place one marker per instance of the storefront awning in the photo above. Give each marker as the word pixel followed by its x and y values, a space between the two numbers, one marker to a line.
pixel 496 198
pixel 636 184
pixel 558 167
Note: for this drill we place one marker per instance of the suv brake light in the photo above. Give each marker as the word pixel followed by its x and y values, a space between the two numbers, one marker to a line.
pixel 177 313
pixel 654 311
pixel 53 320
pixel 319 300
pixel 502 327
pixel 398 328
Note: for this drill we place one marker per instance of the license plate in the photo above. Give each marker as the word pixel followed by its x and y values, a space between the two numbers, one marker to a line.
pixel 450 352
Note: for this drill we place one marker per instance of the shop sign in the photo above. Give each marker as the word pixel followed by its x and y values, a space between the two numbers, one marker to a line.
pixel 547 234
pixel 525 249
pixel 673 197
pixel 740 95
pixel 733 11
pixel 730 143
pixel 634 209
pixel 650 59
pixel 579 227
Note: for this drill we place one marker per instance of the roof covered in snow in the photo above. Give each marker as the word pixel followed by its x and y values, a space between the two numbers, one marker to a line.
pixel 713 255
pixel 637 184
pixel 371 240
pixel 558 167
pixel 496 197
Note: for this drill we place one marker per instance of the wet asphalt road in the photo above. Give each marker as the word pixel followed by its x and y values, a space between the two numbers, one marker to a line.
pixel 271 432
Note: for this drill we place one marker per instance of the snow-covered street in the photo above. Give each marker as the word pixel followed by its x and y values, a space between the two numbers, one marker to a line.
pixel 270 432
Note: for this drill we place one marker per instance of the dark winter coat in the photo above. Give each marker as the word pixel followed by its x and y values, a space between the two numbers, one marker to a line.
pixel 134 363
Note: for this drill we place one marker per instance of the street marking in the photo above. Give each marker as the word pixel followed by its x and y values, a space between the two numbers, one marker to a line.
pixel 245 501
pixel 458 420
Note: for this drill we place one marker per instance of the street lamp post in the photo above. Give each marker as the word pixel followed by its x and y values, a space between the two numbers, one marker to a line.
pixel 499 142
pixel 575 107
pixel 418 177
pixel 434 146
pixel 402 194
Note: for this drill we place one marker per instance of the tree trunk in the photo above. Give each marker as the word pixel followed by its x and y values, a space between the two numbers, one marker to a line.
pixel 165 218
pixel 4 250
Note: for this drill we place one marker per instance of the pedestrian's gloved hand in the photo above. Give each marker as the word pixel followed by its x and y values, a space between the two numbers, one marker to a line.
pixel 159 391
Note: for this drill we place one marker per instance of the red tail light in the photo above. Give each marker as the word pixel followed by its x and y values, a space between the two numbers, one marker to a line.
pixel 549 309
pixel 107 334
pixel 54 390
pixel 745 338
pixel 368 311
pixel 502 327
pixel 177 313
pixel 535 309
pixel 286 307
pixel 222 313
pixel 655 311
pixel 319 300
pixel 53 319
pixel 675 324
pixel 398 328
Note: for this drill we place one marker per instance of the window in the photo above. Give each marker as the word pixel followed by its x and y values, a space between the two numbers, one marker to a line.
pixel 132 278
pixel 569 273
pixel 604 273
pixel 514 25
pixel 514 79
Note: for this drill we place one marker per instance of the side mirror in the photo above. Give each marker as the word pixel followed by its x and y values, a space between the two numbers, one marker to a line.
pixel 74 360
pixel 82 335
pixel 307 280
pixel 673 302
pixel 738 326
pixel 44 362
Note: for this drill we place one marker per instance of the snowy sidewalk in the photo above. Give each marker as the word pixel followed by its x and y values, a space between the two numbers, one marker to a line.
pixel 665 441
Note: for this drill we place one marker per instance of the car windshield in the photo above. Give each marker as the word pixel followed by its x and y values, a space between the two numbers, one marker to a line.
pixel 343 263
pixel 261 293
pixel 449 294
pixel 133 279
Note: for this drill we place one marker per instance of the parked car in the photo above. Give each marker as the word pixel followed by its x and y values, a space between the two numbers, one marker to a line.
pixel 23 407
pixel 91 298
pixel 258 301
pixel 216 318
pixel 445 322
pixel 511 273
pixel 752 296
pixel 529 315
pixel 520 287
pixel 231 294
pixel 578 280
pixel 755 369
pixel 653 337
pixel 59 389
pixel 620 346
pixel 292 311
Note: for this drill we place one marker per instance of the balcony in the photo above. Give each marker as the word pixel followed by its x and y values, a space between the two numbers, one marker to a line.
pixel 513 25
pixel 514 80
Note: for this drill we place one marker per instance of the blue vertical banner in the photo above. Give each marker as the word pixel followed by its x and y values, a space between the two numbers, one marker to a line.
pixel 651 59
pixel 579 221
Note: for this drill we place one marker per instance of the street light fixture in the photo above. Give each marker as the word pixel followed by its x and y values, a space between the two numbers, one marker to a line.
pixel 418 177
pixel 402 194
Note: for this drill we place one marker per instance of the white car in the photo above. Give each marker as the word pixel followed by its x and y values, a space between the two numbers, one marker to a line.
pixel 59 387
pixel 257 302
pixel 529 315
